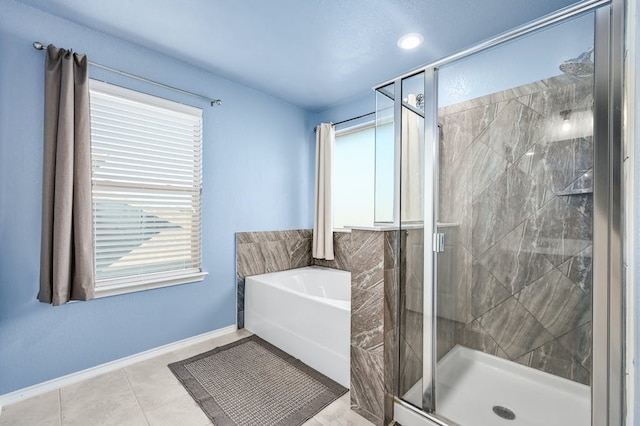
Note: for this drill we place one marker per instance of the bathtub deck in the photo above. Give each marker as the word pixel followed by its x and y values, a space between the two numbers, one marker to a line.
pixel 470 383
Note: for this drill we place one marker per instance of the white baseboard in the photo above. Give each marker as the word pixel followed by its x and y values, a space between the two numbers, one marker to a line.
pixel 53 384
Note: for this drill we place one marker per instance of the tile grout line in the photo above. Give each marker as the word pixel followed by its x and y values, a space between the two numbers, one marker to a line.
pixel 144 414
pixel 557 268
pixel 60 405
pixel 533 316
pixel 110 366
pixel 516 294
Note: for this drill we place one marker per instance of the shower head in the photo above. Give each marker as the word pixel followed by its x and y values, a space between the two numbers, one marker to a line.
pixel 582 66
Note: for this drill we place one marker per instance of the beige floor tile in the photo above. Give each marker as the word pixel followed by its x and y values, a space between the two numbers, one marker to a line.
pixel 42 410
pixel 182 411
pixel 339 413
pixel 332 412
pixel 104 400
pixel 312 422
pixel 351 418
pixel 152 365
pixel 142 394
pixel 153 383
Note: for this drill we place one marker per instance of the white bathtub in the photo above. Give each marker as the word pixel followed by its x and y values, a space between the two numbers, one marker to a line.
pixel 306 312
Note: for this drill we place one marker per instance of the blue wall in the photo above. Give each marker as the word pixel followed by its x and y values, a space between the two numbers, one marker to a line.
pixel 534 57
pixel 530 58
pixel 258 169
pixel 348 109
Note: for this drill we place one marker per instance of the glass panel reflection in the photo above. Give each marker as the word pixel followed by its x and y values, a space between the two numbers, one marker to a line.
pixel 384 155
pixel 515 203
pixel 412 238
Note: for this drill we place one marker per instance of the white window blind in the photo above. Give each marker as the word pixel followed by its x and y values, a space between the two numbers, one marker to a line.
pixel 146 176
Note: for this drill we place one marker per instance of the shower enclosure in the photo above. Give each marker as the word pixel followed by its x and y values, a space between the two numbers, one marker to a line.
pixel 508 202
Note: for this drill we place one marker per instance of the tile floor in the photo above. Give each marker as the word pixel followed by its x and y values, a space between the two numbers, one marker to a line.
pixel 145 394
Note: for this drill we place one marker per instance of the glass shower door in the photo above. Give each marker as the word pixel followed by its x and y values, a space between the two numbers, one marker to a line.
pixel 416 109
pixel 513 285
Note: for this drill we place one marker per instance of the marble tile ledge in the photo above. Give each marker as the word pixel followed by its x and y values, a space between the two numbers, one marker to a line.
pixel 386 227
pixel 394 227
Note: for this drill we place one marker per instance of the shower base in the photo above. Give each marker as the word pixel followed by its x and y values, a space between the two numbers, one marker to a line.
pixel 477 389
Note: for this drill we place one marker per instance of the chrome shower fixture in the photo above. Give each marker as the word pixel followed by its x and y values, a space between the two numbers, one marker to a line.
pixel 420 101
pixel 582 66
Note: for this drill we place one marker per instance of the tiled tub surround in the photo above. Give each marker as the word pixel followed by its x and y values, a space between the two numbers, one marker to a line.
pixel 341 252
pixel 517 181
pixel 370 256
pixel 274 251
pixel 374 289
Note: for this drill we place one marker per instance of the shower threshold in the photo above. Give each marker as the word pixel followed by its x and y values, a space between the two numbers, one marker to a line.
pixel 477 389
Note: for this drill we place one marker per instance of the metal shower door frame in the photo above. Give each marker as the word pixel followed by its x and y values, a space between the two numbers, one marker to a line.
pixel 607 377
pixel 430 209
pixel 607 384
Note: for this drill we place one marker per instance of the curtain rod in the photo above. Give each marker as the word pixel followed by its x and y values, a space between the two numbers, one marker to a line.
pixel 39 46
pixel 350 119
pixel 354 118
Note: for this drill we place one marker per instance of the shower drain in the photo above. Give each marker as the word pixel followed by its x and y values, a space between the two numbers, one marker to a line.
pixel 504 412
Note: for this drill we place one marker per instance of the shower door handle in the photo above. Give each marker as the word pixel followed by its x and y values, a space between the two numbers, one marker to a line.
pixel 438 242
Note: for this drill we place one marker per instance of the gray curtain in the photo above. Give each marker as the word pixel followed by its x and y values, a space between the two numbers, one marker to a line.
pixel 66 258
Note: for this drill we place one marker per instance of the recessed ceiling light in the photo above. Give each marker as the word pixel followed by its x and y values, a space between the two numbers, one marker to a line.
pixel 410 41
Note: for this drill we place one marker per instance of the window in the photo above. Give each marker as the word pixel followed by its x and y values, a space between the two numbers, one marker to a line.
pixel 353 176
pixel 146 181
pixel 357 174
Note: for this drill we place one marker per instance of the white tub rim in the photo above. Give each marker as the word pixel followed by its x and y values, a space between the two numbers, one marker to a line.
pixel 340 304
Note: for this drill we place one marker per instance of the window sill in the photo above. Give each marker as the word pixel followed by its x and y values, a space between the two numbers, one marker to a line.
pixel 116 287
pixel 345 230
pixel 377 228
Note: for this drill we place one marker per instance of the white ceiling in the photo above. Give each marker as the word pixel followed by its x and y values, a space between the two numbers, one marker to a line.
pixel 312 53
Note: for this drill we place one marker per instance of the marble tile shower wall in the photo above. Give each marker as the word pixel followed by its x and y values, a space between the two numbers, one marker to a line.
pixel 518 183
pixel 411 300
pixel 411 296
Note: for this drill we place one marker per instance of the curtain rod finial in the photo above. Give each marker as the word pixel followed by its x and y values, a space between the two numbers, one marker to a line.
pixel 216 102
pixel 38 45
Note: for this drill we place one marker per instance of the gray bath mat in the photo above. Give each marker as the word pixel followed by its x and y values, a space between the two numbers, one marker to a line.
pixel 252 383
